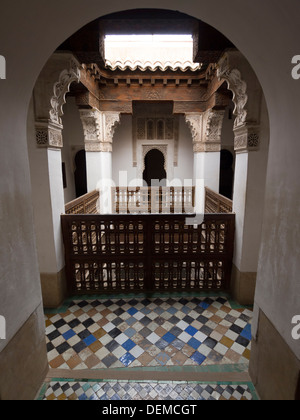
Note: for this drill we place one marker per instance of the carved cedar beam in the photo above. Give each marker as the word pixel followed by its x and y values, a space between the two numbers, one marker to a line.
pixel 90 81
pixel 124 107
pixel 151 93
pixel 86 99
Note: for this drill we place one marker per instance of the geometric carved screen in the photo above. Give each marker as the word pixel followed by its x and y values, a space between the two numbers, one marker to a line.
pixel 138 253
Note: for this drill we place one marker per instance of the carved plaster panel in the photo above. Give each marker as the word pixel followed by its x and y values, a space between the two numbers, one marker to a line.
pixel 48 135
pixel 206 129
pixel 246 139
pixel 112 119
pixel 99 128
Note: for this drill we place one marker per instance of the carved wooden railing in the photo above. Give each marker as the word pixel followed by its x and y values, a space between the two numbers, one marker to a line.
pixel 153 200
pixel 217 203
pixel 86 204
pixel 138 253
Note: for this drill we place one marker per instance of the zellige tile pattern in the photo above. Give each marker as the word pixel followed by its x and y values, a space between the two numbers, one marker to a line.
pixel 126 332
pixel 162 391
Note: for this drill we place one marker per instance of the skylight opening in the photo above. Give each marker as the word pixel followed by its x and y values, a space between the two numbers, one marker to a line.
pixel 152 51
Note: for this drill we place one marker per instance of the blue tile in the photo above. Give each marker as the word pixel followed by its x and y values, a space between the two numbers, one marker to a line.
pixel 131 321
pixel 191 330
pixel 132 311
pixel 130 332
pixel 69 334
pixel 246 333
pixel 162 358
pixel 90 340
pixel 169 338
pixel 194 343
pixel 198 358
pixel 204 305
pixel 82 397
pixel 186 309
pixel 128 345
pixel 172 311
pixel 127 359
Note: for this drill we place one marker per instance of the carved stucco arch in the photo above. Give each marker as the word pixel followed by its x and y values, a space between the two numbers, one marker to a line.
pixel 237 86
pixel 61 88
pixel 49 111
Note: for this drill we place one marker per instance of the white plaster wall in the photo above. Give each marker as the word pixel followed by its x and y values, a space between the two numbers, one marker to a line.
pixel 122 155
pixel 39 27
pixel 184 170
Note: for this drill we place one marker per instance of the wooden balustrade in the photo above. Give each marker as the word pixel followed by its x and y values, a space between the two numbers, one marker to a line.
pixel 216 203
pixel 153 200
pixel 87 204
pixel 147 253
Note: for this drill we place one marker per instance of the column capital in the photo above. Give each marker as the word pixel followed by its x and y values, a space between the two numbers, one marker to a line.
pixel 48 135
pixel 206 129
pixel 98 129
pixel 92 128
pixel 111 120
pixel 247 138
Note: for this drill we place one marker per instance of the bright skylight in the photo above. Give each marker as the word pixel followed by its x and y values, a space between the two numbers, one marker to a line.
pixel 149 50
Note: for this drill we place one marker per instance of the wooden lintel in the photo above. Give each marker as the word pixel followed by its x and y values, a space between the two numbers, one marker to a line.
pixel 124 107
pixel 182 107
pixel 146 92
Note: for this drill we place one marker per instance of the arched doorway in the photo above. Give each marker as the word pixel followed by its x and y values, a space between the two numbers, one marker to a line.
pixel 80 174
pixel 226 174
pixel 155 168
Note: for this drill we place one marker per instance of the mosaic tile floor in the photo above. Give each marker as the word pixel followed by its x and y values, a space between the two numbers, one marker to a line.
pixel 148 332
pixel 161 391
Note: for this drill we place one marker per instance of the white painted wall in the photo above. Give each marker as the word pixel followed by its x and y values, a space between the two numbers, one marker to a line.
pixel 269 49
pixel 122 151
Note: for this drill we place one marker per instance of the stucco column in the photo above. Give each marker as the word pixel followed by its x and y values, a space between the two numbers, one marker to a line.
pixel 98 136
pixel 248 199
pixel 48 199
pixel 206 130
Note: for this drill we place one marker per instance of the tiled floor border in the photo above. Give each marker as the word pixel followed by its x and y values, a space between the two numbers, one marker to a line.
pixel 65 305
pixel 249 384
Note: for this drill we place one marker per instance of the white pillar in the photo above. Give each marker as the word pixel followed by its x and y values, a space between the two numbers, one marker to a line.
pixel 98 130
pixel 48 201
pixel 206 128
pixel 93 169
pixel 248 204
pixel 207 167
pixel 105 182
